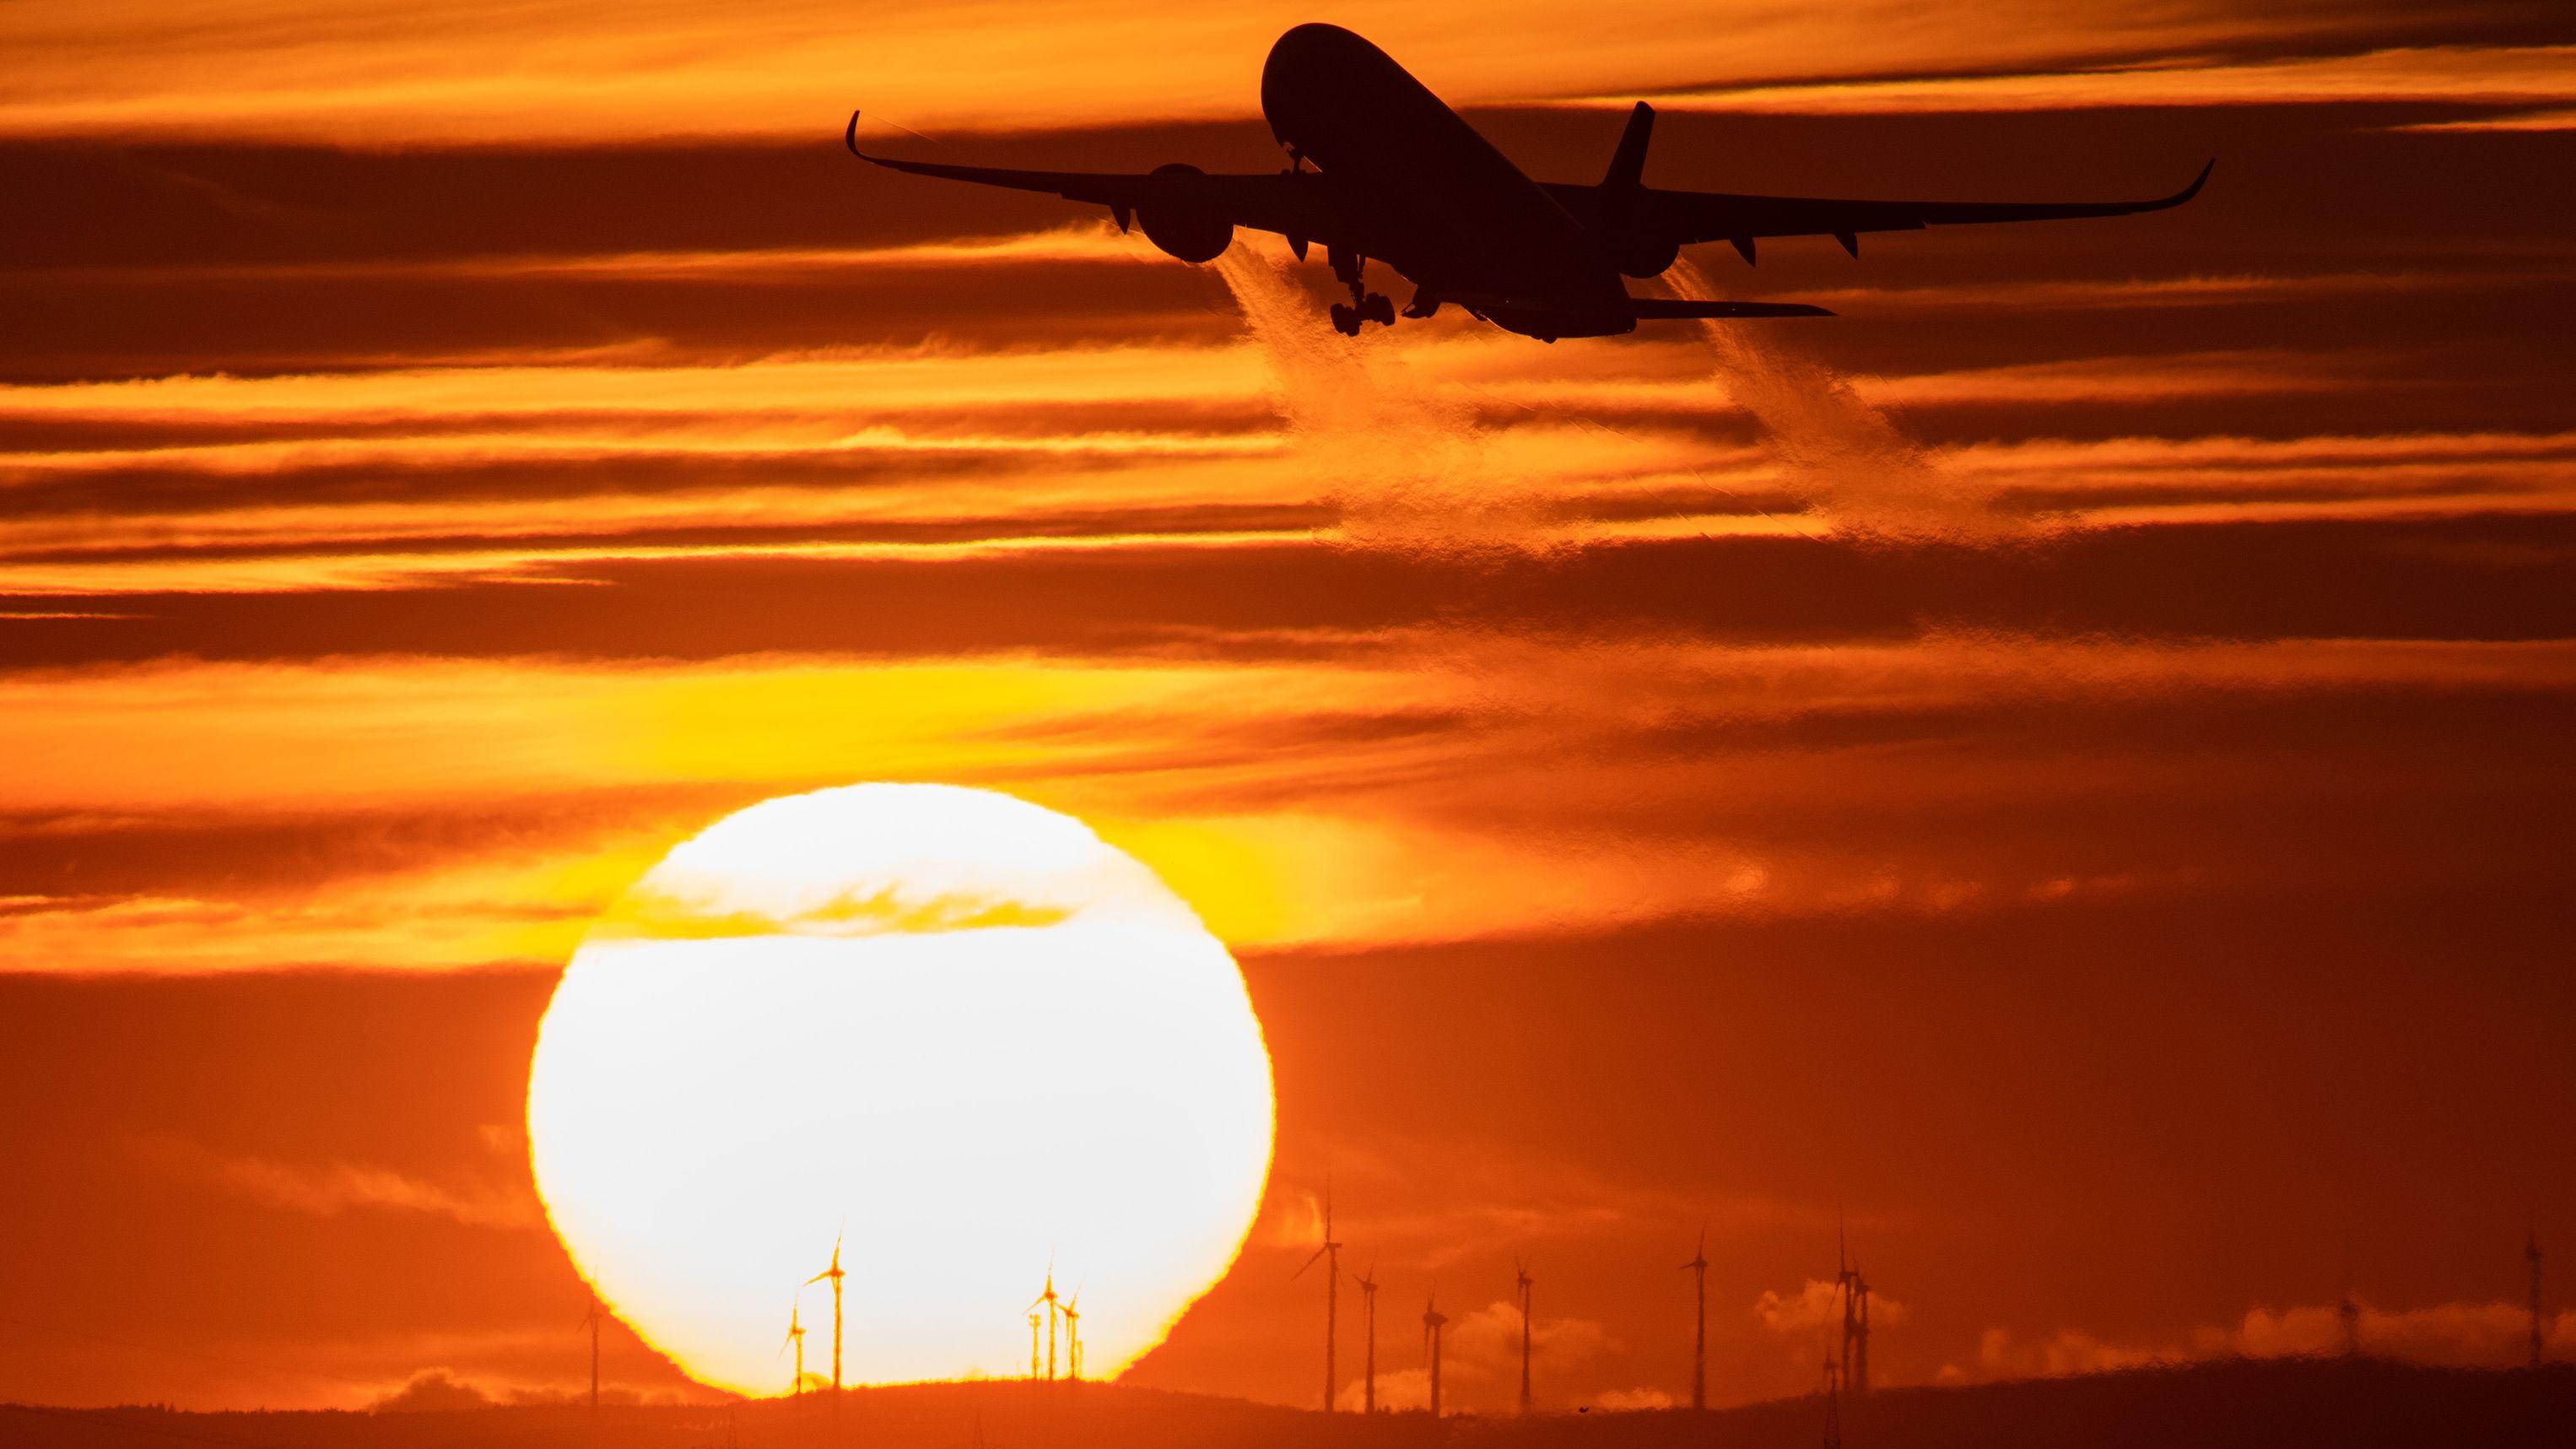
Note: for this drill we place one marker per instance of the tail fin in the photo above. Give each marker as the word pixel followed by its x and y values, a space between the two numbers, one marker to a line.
pixel 1628 163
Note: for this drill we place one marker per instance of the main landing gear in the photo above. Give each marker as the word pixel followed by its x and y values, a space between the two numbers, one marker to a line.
pixel 1365 306
pixel 1374 307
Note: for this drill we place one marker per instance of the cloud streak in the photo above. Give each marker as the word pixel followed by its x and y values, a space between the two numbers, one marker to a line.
pixel 332 1189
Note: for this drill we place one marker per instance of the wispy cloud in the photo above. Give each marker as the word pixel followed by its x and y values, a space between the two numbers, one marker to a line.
pixel 380 74
pixel 332 1189
pixel 2460 1334
pixel 1815 1307
pixel 2457 75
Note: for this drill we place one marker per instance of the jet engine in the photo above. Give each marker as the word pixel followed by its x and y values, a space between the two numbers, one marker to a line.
pixel 1186 232
pixel 1647 254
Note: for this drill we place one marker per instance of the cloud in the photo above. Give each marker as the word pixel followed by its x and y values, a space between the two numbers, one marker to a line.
pixel 1480 1357
pixel 2460 1335
pixel 2456 1334
pixel 1400 1390
pixel 2500 75
pixel 1485 1343
pixel 381 74
pixel 331 1189
pixel 587 771
pixel 1295 1221
pixel 443 1391
pixel 432 1391
pixel 1817 1307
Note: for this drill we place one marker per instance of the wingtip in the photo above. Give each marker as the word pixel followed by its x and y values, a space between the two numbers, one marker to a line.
pixel 2197 182
pixel 850 137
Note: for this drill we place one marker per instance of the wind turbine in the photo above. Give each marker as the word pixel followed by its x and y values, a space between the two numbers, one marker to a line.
pixel 1833 1407
pixel 835 1275
pixel 1697 1267
pixel 1368 1296
pixel 1432 1319
pixel 1049 1299
pixel 2531 1255
pixel 1854 1291
pixel 1073 1336
pixel 590 1321
pixel 1521 1285
pixel 1860 1358
pixel 796 1338
pixel 1330 1254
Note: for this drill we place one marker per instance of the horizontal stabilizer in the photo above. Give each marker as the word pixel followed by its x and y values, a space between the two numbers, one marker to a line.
pixel 1662 309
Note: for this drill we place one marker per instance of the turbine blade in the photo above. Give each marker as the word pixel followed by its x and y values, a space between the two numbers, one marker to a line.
pixel 1310 1262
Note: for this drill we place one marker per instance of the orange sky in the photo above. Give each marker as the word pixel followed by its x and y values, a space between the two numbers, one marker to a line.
pixel 2065 762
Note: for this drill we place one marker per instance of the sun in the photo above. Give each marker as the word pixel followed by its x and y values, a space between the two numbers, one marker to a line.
pixel 952 1028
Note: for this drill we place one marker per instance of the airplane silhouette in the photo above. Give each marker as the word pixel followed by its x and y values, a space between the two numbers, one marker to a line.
pixel 1403 179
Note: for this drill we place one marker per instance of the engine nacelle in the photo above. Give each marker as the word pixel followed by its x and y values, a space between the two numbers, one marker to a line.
pixel 1645 254
pixel 1186 232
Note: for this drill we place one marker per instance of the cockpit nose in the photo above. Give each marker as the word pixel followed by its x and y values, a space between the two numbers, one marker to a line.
pixel 1311 42
pixel 1307 64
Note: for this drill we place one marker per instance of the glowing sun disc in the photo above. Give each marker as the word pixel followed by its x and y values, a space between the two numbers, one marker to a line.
pixel 952 1024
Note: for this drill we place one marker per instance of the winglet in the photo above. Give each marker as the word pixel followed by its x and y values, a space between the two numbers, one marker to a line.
pixel 2188 192
pixel 850 137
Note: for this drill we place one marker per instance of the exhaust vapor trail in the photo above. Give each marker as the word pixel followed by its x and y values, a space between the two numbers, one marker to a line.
pixel 1411 466
pixel 1834 447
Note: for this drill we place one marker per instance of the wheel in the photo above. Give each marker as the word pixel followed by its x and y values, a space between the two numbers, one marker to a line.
pixel 1345 321
pixel 1378 308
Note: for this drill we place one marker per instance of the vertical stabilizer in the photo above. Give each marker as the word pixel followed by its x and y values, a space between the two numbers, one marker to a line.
pixel 1628 163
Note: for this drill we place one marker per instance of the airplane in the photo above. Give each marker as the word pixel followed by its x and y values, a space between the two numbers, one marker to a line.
pixel 1401 178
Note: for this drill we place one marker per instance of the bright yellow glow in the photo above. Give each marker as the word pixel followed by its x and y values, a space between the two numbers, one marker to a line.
pixel 956 1023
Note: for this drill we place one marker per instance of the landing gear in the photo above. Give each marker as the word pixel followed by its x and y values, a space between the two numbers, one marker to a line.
pixel 1365 306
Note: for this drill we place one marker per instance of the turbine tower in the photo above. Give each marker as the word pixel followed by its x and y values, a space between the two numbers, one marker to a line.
pixel 1697 1267
pixel 1854 1292
pixel 1833 1407
pixel 1521 1288
pixel 1073 1336
pixel 1330 1254
pixel 1033 1344
pixel 1860 1346
pixel 1368 1379
pixel 1049 1299
pixel 2349 1311
pixel 796 1339
pixel 1432 1320
pixel 2531 1255
pixel 591 1320
pixel 834 1275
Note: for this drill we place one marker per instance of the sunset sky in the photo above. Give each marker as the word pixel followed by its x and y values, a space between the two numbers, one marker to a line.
pixel 2065 765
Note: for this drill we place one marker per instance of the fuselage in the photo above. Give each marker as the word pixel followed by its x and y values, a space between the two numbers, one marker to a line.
pixel 1443 207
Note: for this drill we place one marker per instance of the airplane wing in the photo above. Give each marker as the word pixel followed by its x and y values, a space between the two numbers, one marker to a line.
pixel 1705 216
pixel 1299 206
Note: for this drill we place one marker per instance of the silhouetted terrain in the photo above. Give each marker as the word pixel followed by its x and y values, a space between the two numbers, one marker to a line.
pixel 2215 1406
